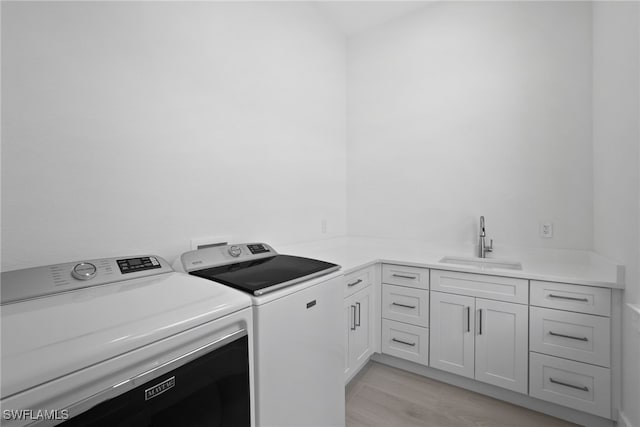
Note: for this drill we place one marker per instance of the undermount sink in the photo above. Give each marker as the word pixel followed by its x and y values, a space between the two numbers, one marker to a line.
pixel 483 263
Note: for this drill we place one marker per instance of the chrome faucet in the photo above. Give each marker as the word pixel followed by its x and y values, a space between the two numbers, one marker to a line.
pixel 482 247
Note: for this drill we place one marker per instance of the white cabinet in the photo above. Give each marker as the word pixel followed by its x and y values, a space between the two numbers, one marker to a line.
pixel 577 385
pixel 405 341
pixel 358 320
pixel 570 344
pixel 405 313
pixel 480 338
pixel 406 305
pixel 501 344
pixel 575 336
pixel 452 329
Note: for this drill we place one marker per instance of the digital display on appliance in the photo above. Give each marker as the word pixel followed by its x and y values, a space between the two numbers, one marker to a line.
pixel 131 265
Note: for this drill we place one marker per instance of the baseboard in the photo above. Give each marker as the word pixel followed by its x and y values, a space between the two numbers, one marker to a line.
pixel 519 399
pixel 623 421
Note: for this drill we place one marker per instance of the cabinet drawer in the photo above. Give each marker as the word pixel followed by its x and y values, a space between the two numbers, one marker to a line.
pixel 577 385
pixel 405 341
pixel 576 336
pixel 357 280
pixel 498 288
pixel 404 304
pixel 563 296
pixel 412 277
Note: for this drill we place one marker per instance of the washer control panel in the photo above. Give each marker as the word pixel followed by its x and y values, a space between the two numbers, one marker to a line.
pixel 84 271
pixel 132 265
pixel 258 248
pixel 37 282
pixel 235 251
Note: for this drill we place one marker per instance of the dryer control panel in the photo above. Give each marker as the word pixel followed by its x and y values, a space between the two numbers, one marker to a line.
pixel 223 255
pixel 19 285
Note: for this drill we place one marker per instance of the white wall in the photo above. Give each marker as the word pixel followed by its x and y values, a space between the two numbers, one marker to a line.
pixel 134 127
pixel 469 109
pixel 616 152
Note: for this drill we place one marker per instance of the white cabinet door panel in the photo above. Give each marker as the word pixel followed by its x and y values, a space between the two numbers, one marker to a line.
pixel 405 341
pixel 408 305
pixel 576 385
pixel 563 296
pixel 499 288
pixel 501 344
pixel 451 333
pixel 403 275
pixel 576 336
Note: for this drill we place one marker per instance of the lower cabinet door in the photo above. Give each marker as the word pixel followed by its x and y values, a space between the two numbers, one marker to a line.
pixel 501 344
pixel 357 312
pixel 406 341
pixel 451 335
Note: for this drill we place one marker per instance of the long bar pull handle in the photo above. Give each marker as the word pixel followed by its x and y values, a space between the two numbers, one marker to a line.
pixel 480 321
pixel 577 387
pixel 568 336
pixel 412 344
pixel 358 322
pixel 569 298
pixel 353 310
pixel 403 305
pixel 403 276
pixel 468 319
pixel 354 283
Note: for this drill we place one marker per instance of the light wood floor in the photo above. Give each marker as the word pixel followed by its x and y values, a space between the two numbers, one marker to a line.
pixel 389 397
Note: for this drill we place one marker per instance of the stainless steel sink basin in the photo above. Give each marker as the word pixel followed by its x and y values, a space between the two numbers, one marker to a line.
pixel 486 263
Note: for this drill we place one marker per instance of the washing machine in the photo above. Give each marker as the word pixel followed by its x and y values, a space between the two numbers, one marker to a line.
pixel 124 341
pixel 298 329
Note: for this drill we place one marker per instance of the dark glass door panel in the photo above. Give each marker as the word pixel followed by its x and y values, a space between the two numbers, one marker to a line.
pixel 210 391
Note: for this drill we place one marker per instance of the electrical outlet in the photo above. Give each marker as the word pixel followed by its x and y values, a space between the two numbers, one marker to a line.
pixel 546 230
pixel 323 226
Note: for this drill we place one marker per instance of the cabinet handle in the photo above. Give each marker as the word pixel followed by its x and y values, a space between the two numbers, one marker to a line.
pixel 569 298
pixel 403 305
pixel 358 322
pixel 353 310
pixel 354 283
pixel 468 319
pixel 568 336
pixel 403 276
pixel 412 344
pixel 480 321
pixel 577 387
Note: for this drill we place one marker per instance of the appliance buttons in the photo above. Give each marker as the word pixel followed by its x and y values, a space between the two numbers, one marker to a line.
pixel 235 251
pixel 84 271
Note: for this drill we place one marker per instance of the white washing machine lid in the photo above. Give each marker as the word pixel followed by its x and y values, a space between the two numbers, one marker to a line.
pixel 46 338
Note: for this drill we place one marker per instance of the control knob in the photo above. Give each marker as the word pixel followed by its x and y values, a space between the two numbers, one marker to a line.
pixel 235 251
pixel 84 271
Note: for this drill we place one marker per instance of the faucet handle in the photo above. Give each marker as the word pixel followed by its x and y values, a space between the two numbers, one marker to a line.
pixel 490 247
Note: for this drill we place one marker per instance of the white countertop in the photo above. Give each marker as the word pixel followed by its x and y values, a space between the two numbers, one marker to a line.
pixel 557 265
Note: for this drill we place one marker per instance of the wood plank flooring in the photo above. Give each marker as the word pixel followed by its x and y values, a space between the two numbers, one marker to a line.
pixel 386 396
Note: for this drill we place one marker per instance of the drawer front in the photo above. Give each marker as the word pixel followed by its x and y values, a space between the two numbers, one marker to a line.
pixel 353 282
pixel 576 336
pixel 498 288
pixel 405 341
pixel 563 296
pixel 401 275
pixel 404 304
pixel 577 385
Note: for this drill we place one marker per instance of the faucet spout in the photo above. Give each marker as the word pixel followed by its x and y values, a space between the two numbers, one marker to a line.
pixel 482 246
